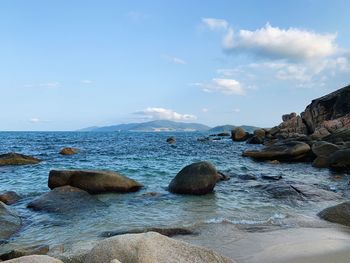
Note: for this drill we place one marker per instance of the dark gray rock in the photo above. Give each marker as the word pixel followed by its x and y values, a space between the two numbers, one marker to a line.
pixel 339 214
pixel 196 179
pixel 65 199
pixel 10 222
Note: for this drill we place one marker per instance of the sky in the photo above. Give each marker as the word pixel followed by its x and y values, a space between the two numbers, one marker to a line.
pixel 66 65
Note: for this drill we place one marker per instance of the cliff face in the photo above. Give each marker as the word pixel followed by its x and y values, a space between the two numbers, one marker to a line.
pixel 331 111
pixel 321 117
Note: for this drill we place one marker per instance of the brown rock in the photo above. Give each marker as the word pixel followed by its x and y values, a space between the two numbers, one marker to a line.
pixel 69 151
pixel 10 222
pixel 9 197
pixel 239 134
pixel 17 159
pixel 93 181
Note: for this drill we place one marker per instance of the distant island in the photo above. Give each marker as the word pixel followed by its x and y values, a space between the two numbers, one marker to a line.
pixel 165 126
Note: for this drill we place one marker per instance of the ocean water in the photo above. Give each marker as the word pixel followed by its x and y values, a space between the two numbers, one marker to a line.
pixel 147 158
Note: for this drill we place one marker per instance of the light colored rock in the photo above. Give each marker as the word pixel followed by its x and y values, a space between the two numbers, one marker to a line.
pixel 93 181
pixel 151 247
pixel 34 259
pixel 339 214
pixel 239 134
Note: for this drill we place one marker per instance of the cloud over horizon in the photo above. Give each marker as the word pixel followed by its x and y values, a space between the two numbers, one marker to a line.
pixel 156 113
pixel 276 43
pixel 222 85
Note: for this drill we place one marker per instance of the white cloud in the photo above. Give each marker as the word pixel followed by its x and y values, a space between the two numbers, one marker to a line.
pixel 225 86
pixel 215 24
pixel 86 81
pixel 165 114
pixel 273 42
pixel 49 85
pixel 34 120
pixel 236 110
pixel 178 61
pixel 205 110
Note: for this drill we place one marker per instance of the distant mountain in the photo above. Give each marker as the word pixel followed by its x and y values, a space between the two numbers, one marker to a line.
pixel 151 126
pixel 229 128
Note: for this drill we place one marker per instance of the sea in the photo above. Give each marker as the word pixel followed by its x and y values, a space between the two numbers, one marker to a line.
pixel 147 158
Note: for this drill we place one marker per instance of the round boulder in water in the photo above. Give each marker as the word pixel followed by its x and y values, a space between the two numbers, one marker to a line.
pixel 17 159
pixel 196 179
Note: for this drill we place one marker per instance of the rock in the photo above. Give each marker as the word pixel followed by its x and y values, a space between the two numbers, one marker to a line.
pixel 247 177
pixel 69 151
pixel 340 160
pixel 341 135
pixel 287 117
pixel 65 199
pixel 324 149
pixel 10 222
pixel 169 232
pixel 298 192
pixel 9 197
pixel 222 176
pixel 334 106
pixel 239 134
pixel 284 151
pixel 255 140
pixel 273 162
pixel 261 133
pixel 292 127
pixel 272 177
pixel 16 253
pixel 93 181
pixel 197 179
pixel 171 140
pixel 150 247
pixel 17 159
pixel 34 259
pixel 339 214
pixel 223 134
pixel 321 162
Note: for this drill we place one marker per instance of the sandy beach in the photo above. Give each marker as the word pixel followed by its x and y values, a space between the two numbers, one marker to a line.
pixel 295 245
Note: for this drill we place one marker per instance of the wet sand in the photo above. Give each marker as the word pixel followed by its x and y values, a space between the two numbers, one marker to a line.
pixel 293 245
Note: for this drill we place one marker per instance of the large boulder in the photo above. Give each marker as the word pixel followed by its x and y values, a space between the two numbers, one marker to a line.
pixel 93 181
pixel 291 127
pixel 65 199
pixel 9 197
pixel 340 159
pixel 17 159
pixel 197 179
pixel 26 251
pixel 34 259
pixel 283 151
pixel 339 136
pixel 69 151
pixel 150 247
pixel 324 149
pixel 239 134
pixel 339 214
pixel 10 222
pixel 330 107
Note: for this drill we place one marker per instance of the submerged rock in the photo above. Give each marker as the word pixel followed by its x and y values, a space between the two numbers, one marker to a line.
pixel 93 181
pixel 150 247
pixel 27 251
pixel 10 222
pixel 282 151
pixel 169 232
pixel 17 159
pixel 69 151
pixel 339 214
pixel 65 199
pixel 196 179
pixel 9 197
pixel 34 259
pixel 171 140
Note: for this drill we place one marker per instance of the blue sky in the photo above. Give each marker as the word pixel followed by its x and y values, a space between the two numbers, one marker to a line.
pixel 66 65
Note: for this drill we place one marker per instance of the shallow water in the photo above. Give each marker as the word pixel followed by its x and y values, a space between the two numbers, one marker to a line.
pixel 147 158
